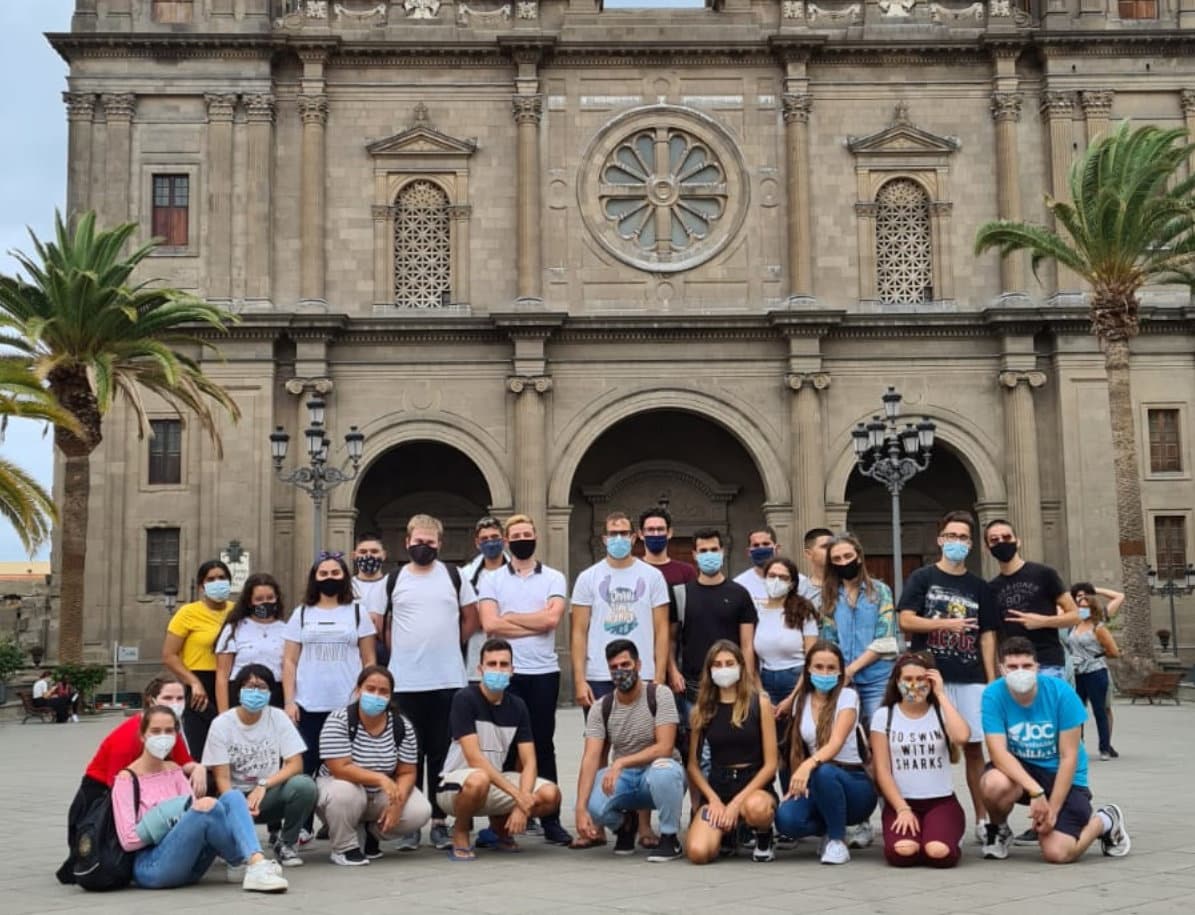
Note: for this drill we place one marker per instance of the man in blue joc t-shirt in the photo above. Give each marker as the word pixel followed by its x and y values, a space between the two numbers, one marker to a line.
pixel 1032 728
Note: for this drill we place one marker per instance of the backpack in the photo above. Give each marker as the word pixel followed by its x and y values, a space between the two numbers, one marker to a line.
pixel 100 861
pixel 383 646
pixel 608 709
pixel 398 727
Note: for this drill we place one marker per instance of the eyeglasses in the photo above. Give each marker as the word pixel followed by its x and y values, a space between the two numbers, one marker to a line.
pixel 956 538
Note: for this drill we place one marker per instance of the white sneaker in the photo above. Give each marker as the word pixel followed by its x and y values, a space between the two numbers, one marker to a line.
pixel 981 832
pixel 75 719
pixel 835 852
pixel 234 873
pixel 1115 842
pixel 998 850
pixel 305 837
pixel 860 835
pixel 408 841
pixel 264 877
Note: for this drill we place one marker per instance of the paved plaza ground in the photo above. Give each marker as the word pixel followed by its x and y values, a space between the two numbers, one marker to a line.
pixel 40 766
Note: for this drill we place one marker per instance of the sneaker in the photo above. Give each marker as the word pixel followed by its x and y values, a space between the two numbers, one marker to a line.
pixel 486 838
pixel 1112 752
pixel 668 850
pixel 354 857
pixel 763 847
pixel 1028 837
pixel 746 836
pixel 996 841
pixel 409 842
pixel 835 852
pixel 1105 756
pixel 373 848
pixel 859 836
pixel 234 873
pixel 287 856
pixel 728 846
pixel 75 719
pixel 981 832
pixel 1115 843
pixel 304 837
pixel 264 877
pixel 784 842
pixel 440 837
pixel 534 828
pixel 555 834
pixel 624 837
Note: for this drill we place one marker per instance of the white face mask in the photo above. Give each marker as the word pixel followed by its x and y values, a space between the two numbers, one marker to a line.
pixel 160 745
pixel 724 677
pixel 776 588
pixel 177 708
pixel 1021 681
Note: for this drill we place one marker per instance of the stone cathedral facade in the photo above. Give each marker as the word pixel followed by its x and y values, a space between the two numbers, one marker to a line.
pixel 562 259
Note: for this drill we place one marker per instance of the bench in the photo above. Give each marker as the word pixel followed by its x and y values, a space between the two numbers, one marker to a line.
pixel 1158 685
pixel 43 714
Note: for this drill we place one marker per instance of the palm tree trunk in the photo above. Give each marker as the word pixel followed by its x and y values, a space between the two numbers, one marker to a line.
pixel 1137 643
pixel 76 495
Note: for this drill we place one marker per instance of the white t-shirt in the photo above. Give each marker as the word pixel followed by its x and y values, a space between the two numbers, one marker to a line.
pixel 920 755
pixel 620 603
pixel 425 630
pixel 251 751
pixel 515 593
pixel 330 658
pixel 847 699
pixel 40 688
pixel 776 645
pixel 371 595
pixel 477 639
pixel 254 642
pixel 754 583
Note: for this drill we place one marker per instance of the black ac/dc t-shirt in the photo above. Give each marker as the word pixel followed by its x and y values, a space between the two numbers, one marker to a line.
pixel 1034 588
pixel 712 612
pixel 934 594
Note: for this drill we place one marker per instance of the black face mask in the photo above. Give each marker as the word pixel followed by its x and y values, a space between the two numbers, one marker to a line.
pixel 847 571
pixel 265 611
pixel 422 554
pixel 329 587
pixel 1004 551
pixel 521 549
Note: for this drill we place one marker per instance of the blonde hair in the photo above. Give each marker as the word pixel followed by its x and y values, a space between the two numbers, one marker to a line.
pixel 517 519
pixel 425 523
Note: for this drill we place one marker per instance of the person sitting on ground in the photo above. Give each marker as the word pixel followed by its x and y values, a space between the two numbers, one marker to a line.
pixel 829 788
pixel 637 724
pixel 915 736
pixel 370 755
pixel 486 721
pixel 255 748
pixel 175 834
pixel 1031 724
pixel 46 695
pixel 737 722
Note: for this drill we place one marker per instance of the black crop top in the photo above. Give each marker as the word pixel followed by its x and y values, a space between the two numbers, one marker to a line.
pixel 731 746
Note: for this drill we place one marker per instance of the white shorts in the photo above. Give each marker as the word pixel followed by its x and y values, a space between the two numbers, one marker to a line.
pixel 968 699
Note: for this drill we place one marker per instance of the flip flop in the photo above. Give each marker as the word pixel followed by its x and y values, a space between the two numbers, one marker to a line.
pixel 461 855
pixel 581 843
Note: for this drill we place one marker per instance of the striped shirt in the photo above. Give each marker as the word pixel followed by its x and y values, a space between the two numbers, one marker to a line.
pixel 632 727
pixel 378 754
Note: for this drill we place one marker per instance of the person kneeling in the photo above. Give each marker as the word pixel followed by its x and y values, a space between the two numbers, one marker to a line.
pixel 256 749
pixel 637 724
pixel 915 736
pixel 738 723
pixel 177 836
pixel 486 719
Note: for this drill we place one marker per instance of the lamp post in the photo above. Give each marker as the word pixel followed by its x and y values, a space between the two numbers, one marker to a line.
pixel 1171 588
pixel 170 599
pixel 318 476
pixel 892 456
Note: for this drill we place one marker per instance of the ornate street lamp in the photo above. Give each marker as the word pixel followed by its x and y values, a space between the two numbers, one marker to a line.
pixel 1172 588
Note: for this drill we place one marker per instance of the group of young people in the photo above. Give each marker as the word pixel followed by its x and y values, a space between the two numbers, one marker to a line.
pixel 783 704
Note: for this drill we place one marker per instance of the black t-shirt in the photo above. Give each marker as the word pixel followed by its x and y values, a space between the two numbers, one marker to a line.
pixel 733 746
pixel 712 612
pixel 1034 588
pixel 934 594
pixel 498 727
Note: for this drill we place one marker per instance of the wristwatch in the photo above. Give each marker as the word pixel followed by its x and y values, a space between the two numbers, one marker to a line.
pixel 1034 795
pixel 264 783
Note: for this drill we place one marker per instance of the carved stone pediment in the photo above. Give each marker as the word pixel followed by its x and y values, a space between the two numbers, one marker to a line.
pixel 902 138
pixel 420 139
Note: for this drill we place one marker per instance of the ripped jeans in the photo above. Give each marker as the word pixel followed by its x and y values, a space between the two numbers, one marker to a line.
pixel 660 786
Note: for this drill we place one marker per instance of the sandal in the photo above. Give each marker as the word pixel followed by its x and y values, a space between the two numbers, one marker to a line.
pixel 456 853
pixel 580 843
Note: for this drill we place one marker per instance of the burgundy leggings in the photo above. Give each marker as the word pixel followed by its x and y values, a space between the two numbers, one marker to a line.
pixel 942 820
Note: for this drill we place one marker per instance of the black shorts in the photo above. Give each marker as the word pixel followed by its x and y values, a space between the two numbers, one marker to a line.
pixel 727 783
pixel 1076 809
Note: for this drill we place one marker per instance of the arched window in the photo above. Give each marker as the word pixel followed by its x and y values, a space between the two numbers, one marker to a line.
pixel 422 247
pixel 904 251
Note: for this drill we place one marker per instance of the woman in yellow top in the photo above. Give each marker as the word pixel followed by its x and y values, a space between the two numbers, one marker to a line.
pixel 190 650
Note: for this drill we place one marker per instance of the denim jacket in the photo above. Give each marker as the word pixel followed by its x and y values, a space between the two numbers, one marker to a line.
pixel 869 624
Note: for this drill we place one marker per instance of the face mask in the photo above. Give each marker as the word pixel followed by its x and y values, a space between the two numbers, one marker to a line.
pixel 624 680
pixel 373 705
pixel 761 554
pixel 912 692
pixel 776 588
pixel 522 549
pixel 495 681
pixel 422 554
pixel 253 699
pixel 823 683
pixel 1084 613
pixel 329 587
pixel 159 745
pixel 724 677
pixel 367 565
pixel 1004 551
pixel 491 549
pixel 848 571
pixel 177 708
pixel 656 543
pixel 618 547
pixel 954 551
pixel 709 563
pixel 217 590
pixel 264 611
pixel 1021 681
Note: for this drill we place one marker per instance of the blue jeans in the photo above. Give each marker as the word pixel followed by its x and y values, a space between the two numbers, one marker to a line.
pixel 870 697
pixel 660 786
pixel 188 850
pixel 1093 687
pixel 779 684
pixel 837 798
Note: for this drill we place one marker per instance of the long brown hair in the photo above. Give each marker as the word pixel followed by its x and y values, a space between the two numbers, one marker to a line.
pixel 709 694
pixel 892 696
pixel 825 719
pixel 1096 606
pixel 797 609
pixel 830 580
pixel 242 609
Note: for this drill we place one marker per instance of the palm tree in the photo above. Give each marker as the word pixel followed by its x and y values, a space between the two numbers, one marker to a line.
pixel 1129 224
pixel 94 338
pixel 23 502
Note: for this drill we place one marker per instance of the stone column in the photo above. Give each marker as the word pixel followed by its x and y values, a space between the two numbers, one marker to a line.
pixel 1021 471
pixel 1006 112
pixel 1057 108
pixel 1187 100
pixel 808 450
pixel 1097 111
pixel 797 107
pixel 259 113
pixel 528 112
pixel 80 110
pixel 119 109
pixel 313 109
pixel 530 450
pixel 218 231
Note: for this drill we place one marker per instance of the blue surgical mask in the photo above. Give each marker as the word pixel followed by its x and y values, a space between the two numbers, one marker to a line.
pixel 254 699
pixel 656 543
pixel 1084 613
pixel 823 683
pixel 218 589
pixel 374 705
pixel 955 551
pixel 491 549
pixel 709 563
pixel 495 681
pixel 761 554
pixel 618 547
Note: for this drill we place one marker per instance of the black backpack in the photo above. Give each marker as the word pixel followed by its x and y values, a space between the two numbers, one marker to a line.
pixel 100 861
pixel 382 650
pixel 397 726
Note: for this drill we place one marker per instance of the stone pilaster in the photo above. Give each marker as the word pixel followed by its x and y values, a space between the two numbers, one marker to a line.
pixel 1006 112
pixel 808 449
pixel 313 109
pixel 1057 109
pixel 218 232
pixel 1022 474
pixel 80 112
pixel 1186 98
pixel 259 115
pixel 1097 111
pixel 797 107
pixel 528 112
pixel 531 446
pixel 119 109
